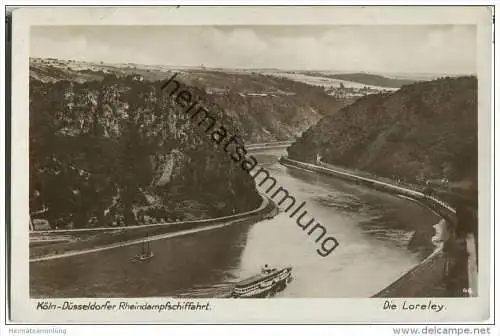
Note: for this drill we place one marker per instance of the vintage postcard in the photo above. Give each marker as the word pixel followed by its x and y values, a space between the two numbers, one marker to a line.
pixel 251 164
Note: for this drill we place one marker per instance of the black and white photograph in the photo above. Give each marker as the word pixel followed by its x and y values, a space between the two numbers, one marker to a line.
pixel 264 161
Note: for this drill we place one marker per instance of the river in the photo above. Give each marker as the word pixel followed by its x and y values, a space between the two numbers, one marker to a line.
pixel 374 230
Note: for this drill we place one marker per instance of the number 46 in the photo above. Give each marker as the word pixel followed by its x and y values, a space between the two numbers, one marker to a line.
pixel 467 290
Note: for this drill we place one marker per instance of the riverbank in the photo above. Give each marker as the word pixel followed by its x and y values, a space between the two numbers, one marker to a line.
pixel 441 207
pixel 199 264
pixel 54 244
pixel 427 279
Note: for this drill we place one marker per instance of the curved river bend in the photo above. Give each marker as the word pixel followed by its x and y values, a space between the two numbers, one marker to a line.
pixel 374 231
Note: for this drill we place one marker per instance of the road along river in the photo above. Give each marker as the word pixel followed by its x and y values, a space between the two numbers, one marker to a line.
pixel 376 232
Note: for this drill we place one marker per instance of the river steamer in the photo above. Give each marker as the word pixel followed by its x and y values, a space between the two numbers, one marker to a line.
pixel 265 284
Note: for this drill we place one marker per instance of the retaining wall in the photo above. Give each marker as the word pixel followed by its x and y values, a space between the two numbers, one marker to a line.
pixel 81 239
pixel 429 278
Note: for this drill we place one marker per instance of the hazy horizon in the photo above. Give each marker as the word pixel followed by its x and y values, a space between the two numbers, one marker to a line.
pixel 400 75
pixel 431 50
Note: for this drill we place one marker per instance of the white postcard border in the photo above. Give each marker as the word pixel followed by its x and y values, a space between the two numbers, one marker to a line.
pixel 245 311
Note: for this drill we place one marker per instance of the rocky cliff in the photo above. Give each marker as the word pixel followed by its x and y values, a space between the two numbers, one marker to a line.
pixel 266 108
pixel 120 152
pixel 424 131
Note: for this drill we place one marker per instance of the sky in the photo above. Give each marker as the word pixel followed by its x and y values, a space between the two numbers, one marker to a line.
pixel 424 49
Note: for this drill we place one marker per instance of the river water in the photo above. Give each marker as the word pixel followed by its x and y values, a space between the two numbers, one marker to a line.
pixel 374 231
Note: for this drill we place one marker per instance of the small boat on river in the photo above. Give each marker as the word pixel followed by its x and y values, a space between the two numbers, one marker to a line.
pixel 265 284
pixel 146 253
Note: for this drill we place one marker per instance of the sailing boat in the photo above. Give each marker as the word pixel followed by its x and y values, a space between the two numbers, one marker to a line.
pixel 146 253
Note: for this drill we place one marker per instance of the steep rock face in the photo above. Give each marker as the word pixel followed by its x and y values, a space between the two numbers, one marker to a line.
pixel 266 119
pixel 120 152
pixel 423 131
pixel 266 108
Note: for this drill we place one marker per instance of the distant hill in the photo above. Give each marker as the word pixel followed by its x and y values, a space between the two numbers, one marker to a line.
pixel 423 131
pixel 266 108
pixel 370 79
